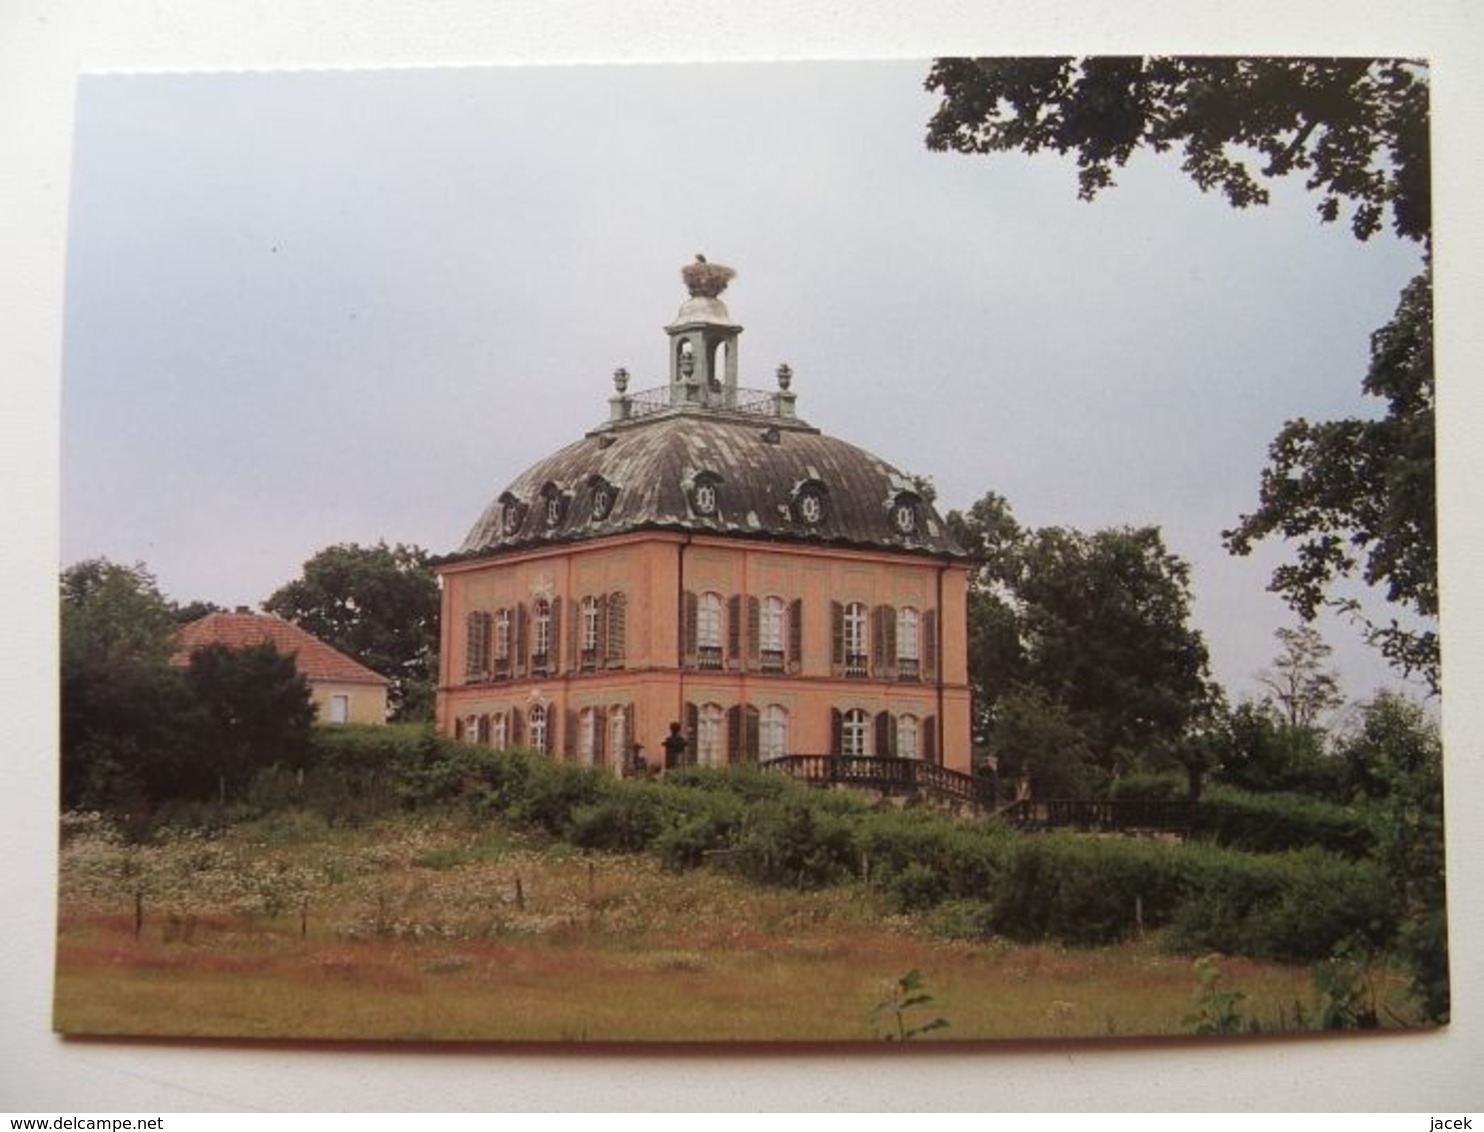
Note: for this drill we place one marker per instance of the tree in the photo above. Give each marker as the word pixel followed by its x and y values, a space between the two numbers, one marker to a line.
pixel 121 704
pixel 1097 624
pixel 380 605
pixel 1358 489
pixel 1357 131
pixel 253 711
pixel 1300 687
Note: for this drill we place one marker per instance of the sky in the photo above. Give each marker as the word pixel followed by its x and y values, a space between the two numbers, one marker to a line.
pixel 308 308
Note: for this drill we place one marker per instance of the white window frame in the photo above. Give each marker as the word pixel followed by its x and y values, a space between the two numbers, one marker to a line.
pixel 711 725
pixel 909 737
pixel 857 639
pixel 771 625
pixel 590 642
pixel 541 635
pixel 501 642
pixel 773 732
pixel 500 730
pixel 587 736
pixel 909 641
pixel 538 728
pixel 855 732
pixel 339 707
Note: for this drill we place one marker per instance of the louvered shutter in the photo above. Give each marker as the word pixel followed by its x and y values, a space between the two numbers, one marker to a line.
pixel 929 644
pixel 617 629
pixel 689 606
pixel 754 632
pixel 628 732
pixel 837 638
pixel 522 638
pixel 600 641
pixel 929 739
pixel 517 728
pixel 569 738
pixel 734 734
pixel 734 631
pixel 883 641
pixel 458 728
pixel 575 628
pixel 795 634
pixel 692 733
pixel 600 734
pixel 886 735
pixel 750 728
pixel 484 728
pixel 554 642
pixel 837 732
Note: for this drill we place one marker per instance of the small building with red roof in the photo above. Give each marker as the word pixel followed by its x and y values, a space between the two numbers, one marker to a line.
pixel 344 689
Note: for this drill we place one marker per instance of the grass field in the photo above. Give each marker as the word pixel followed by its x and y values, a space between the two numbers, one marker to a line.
pixel 437 930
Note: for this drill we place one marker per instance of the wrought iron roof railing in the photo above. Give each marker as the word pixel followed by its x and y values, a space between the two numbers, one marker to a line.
pixel 663 398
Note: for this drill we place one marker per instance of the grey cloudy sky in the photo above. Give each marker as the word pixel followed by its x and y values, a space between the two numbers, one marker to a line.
pixel 310 308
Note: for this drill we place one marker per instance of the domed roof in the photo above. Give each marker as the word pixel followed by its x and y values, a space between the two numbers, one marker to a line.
pixel 706 456
pixel 715 474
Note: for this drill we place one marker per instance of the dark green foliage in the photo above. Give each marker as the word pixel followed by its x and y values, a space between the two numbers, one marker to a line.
pixel 252 710
pixel 1257 751
pixel 1273 823
pixel 1355 130
pixel 1217 1009
pixel 378 604
pixel 1082 656
pixel 1292 907
pixel 1358 496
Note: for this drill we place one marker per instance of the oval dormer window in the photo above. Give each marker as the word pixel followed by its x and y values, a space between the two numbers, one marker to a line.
pixel 904 515
pixel 705 498
pixel 602 502
pixel 510 517
pixel 809 504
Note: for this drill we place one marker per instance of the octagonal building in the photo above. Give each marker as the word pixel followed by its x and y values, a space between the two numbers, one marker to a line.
pixel 707 558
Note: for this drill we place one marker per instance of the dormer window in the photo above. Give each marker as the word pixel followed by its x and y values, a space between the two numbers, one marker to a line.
pixel 555 504
pixel 705 495
pixel 904 514
pixel 603 496
pixel 810 504
pixel 511 514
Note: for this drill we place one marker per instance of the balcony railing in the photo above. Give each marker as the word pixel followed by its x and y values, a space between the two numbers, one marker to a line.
pixel 892 775
pixel 663 398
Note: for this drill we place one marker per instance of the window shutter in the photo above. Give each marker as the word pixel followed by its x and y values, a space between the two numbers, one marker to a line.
pixel 880 657
pixel 600 734
pixel 569 738
pixel 837 732
pixel 888 634
pixel 458 728
pixel 929 644
pixel 600 644
pixel 734 630
pixel 554 660
pixel 754 632
pixel 617 631
pixel 522 638
pixel 734 734
pixel 484 728
pixel 574 629
pixel 795 634
pixel 476 646
pixel 927 737
pixel 692 732
pixel 750 723
pixel 837 638
pixel 517 728
pixel 886 735
pixel 688 613
pixel 628 732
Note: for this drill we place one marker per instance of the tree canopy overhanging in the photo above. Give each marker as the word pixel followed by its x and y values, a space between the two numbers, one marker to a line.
pixel 1357 495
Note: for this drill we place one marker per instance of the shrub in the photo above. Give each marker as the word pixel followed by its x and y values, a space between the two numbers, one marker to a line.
pixel 1273 823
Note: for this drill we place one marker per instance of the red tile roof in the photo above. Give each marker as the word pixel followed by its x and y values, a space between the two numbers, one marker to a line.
pixel 316 660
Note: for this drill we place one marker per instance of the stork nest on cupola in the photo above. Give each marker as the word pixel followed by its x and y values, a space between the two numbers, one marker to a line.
pixel 704 279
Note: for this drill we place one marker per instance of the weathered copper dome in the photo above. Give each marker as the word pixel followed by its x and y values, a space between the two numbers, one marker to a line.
pixel 703 455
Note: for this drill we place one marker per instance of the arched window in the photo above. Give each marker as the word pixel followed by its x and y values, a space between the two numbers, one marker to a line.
pixel 541 637
pixel 538 728
pixel 773 737
pixel 708 630
pixel 908 649
pixel 592 631
pixel 907 737
pixel 771 633
pixel 618 735
pixel 855 639
pixel 855 735
pixel 500 730
pixel 588 736
pixel 710 734
pixel 471 728
pixel 502 639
